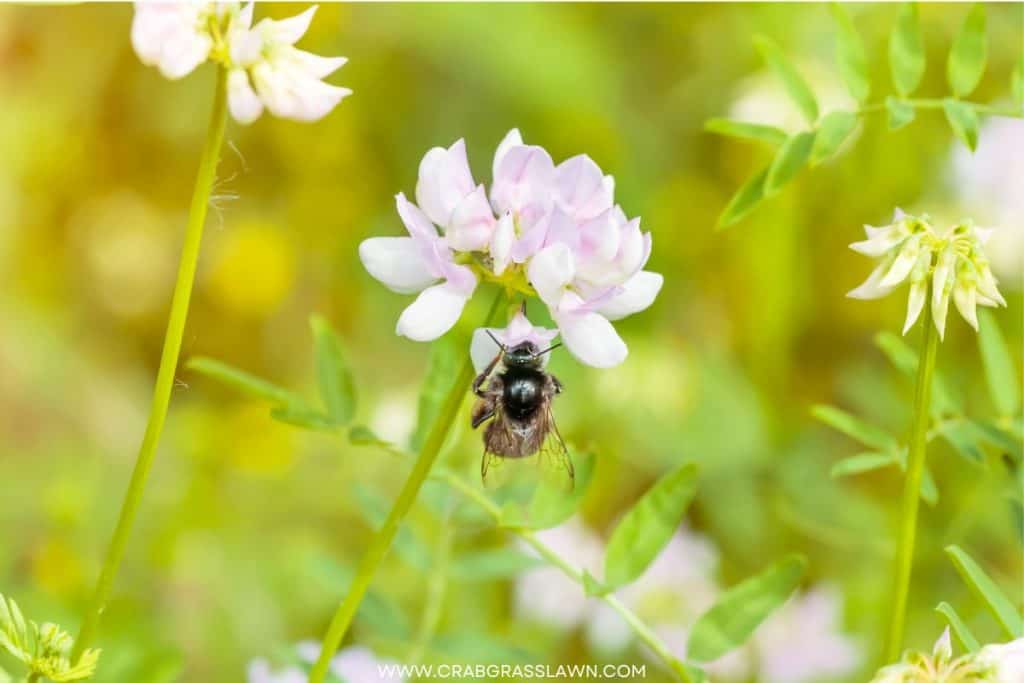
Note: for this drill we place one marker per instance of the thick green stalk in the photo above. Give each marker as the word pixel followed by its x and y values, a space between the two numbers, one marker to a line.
pixel 642 631
pixel 912 483
pixel 407 496
pixel 168 366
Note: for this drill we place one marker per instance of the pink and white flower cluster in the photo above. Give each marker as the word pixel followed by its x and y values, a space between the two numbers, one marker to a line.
pixel 544 229
pixel 265 70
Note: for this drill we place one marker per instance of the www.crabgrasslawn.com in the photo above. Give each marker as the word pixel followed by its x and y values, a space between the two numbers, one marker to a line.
pixel 403 672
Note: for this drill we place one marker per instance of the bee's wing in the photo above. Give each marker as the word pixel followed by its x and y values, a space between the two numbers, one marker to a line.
pixel 497 433
pixel 553 455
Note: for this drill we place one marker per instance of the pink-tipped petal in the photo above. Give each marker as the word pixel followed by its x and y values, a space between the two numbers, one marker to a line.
pixel 635 295
pixel 592 340
pixel 502 242
pixel 415 221
pixel 472 223
pixel 581 189
pixel 397 262
pixel 511 139
pixel 444 180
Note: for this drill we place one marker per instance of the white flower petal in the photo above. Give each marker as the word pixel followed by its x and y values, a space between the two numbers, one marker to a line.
pixel 915 304
pixel 906 258
pixel 580 187
pixel 965 298
pixel 502 241
pixel 511 139
pixel 243 102
pixel 592 339
pixel 871 288
pixel 482 348
pixel 472 223
pixel 288 31
pixel 444 180
pixel 415 221
pixel 434 312
pixel 550 270
pixel 170 36
pixel 523 179
pixel 316 66
pixel 637 294
pixel 397 262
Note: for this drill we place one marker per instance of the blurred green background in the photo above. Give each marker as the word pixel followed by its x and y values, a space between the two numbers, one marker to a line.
pixel 247 523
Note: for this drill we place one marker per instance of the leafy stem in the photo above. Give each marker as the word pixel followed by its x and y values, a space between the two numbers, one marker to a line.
pixel 912 484
pixel 168 366
pixel 382 540
pixel 643 632
pixel 936 103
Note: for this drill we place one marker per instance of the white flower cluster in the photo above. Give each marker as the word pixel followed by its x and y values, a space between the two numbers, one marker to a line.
pixel 545 230
pixel 265 70
pixel 802 642
pixel 1001 663
pixel 950 265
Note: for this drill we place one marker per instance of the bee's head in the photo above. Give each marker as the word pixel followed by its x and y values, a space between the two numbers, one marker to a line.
pixel 524 355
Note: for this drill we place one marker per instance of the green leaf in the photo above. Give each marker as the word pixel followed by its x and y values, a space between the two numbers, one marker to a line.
pixel 747 131
pixel 794 83
pixel 337 387
pixel 307 418
pixel 965 437
pixel 551 505
pixel 744 201
pixel 14 632
pixel 442 368
pixel 855 428
pixel 742 608
pixel 1003 439
pixel 1003 378
pixel 243 381
pixel 963 634
pixel 906 51
pixel 593 587
pixel 790 158
pixel 863 462
pixel 986 589
pixel 967 57
pixel 900 113
pixel 649 525
pixel 833 130
pixel 904 359
pixel 492 564
pixel 963 120
pixel 850 55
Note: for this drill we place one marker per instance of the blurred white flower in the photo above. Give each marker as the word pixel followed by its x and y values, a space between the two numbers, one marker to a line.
pixel 354 664
pixel 911 250
pixel 175 37
pixel 546 594
pixel 264 67
pixel 802 641
pixel 1002 663
pixel 987 182
pixel 268 71
pixel 548 230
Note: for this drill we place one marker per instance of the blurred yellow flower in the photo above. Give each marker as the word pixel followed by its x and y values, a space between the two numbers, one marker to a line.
pixel 256 443
pixel 253 269
pixel 55 567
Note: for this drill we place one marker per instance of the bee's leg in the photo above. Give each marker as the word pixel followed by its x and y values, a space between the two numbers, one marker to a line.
pixel 556 385
pixel 483 410
pixel 482 377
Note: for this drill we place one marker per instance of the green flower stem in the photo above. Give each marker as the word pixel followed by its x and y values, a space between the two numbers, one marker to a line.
pixel 382 540
pixel 912 484
pixel 168 366
pixel 643 632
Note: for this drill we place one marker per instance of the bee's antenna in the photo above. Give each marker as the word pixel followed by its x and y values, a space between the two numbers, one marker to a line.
pixel 547 350
pixel 495 340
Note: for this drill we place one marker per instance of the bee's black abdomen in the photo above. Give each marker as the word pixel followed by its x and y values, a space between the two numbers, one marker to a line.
pixel 523 392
